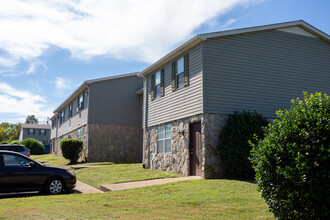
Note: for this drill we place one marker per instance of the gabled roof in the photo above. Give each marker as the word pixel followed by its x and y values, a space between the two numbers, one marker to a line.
pixel 84 86
pixel 35 126
pixel 202 37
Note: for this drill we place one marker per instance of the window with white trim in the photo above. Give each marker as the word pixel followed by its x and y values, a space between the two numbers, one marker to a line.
pixel 70 109
pixel 79 133
pixel 81 101
pixel 62 116
pixel 157 84
pixel 164 139
pixel 180 73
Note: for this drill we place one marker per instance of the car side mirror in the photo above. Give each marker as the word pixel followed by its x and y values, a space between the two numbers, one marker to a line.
pixel 32 164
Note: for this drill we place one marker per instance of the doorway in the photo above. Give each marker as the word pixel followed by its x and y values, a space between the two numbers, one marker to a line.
pixel 195 149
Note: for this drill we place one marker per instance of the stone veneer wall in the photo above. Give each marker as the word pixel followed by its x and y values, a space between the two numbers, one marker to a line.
pixel 115 143
pixel 178 160
pixel 71 135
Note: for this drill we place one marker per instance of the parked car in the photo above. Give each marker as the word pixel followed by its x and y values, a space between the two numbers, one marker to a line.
pixel 17 148
pixel 19 173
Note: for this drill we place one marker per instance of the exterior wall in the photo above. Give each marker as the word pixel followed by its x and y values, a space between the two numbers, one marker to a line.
pixel 42 138
pixel 262 71
pixel 55 143
pixel 115 143
pixel 178 160
pixel 181 103
pixel 78 119
pixel 115 101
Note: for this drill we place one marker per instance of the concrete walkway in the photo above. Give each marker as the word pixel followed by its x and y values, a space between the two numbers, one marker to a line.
pixel 85 188
pixel 132 185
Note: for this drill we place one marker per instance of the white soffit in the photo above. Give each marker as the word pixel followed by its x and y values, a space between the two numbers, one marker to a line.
pixel 297 30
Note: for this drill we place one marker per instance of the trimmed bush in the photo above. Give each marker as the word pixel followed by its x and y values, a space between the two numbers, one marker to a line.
pixel 292 160
pixel 35 147
pixel 234 145
pixel 15 142
pixel 71 149
pixel 3 142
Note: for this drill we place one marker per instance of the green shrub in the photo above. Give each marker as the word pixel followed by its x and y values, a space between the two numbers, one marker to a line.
pixel 35 147
pixel 292 160
pixel 71 149
pixel 15 142
pixel 3 142
pixel 234 145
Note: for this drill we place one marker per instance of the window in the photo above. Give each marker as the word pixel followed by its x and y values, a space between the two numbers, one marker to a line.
pixel 53 123
pixel 79 133
pixel 81 101
pixel 15 161
pixel 157 84
pixel 42 132
pixel 62 116
pixel 164 138
pixel 70 109
pixel 31 131
pixel 180 73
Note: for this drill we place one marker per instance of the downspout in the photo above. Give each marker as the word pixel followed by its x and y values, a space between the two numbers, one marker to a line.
pixel 86 140
pixel 144 123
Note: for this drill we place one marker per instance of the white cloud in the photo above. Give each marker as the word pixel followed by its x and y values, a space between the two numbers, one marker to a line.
pixel 142 30
pixel 22 103
pixel 62 83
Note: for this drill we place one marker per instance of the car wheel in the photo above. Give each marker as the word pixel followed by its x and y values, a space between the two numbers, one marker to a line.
pixel 54 186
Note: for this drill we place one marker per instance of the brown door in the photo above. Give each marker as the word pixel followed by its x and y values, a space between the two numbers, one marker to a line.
pixel 195 149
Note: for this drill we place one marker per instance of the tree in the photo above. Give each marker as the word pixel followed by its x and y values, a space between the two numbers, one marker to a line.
pixel 31 119
pixel 292 160
pixel 9 132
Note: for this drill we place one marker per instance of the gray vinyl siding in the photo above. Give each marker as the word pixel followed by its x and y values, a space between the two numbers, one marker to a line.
pixel 78 119
pixel 36 135
pixel 115 101
pixel 263 71
pixel 181 103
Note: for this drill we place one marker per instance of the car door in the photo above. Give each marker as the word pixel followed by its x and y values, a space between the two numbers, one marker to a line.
pixel 18 175
pixel 2 174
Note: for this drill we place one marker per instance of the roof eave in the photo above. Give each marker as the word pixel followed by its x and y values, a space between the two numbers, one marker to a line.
pixel 179 50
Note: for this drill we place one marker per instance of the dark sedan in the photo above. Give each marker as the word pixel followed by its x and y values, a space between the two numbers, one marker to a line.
pixel 19 173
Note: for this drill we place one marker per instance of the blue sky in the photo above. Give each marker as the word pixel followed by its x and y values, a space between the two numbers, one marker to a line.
pixel 48 48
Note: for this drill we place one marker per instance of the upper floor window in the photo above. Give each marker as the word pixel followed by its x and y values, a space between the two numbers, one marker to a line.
pixel 157 84
pixel 62 116
pixel 70 109
pixel 81 101
pixel 180 72
pixel 42 132
pixel 53 123
pixel 164 138
pixel 31 131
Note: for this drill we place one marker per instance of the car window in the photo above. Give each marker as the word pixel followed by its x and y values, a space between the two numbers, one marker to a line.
pixel 10 160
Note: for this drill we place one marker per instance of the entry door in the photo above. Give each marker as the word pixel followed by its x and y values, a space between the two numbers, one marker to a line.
pixel 195 143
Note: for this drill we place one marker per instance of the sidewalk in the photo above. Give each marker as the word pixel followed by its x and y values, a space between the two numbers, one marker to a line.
pixel 132 185
pixel 85 188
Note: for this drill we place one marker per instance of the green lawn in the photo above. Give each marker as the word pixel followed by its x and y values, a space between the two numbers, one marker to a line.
pixel 196 199
pixel 108 174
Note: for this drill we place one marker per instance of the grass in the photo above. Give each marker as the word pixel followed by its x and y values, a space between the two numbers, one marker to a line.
pixel 196 199
pixel 109 173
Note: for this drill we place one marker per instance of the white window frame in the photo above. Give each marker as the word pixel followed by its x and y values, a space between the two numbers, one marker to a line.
pixel 164 136
pixel 42 132
pixel 180 75
pixel 157 85
pixel 79 133
pixel 81 101
pixel 70 109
